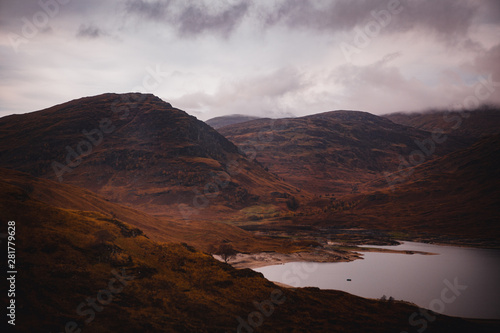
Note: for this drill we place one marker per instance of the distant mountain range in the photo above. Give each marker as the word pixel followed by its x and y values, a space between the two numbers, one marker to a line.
pixel 222 121
pixel 472 123
pixel 336 152
pixel 139 151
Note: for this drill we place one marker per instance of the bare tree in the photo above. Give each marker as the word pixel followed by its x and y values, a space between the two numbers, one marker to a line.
pixel 292 203
pixel 226 251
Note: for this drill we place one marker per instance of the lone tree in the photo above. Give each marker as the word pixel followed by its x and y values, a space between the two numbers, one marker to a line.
pixel 292 203
pixel 226 251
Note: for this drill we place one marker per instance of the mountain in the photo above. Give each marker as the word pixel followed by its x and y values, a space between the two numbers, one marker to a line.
pixel 453 197
pixel 84 271
pixel 335 152
pixel 138 150
pixel 222 121
pixel 467 123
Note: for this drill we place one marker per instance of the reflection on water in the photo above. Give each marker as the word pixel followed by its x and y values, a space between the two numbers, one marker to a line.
pixel 458 281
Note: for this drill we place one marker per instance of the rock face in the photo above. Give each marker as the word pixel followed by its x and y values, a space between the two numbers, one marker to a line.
pixel 135 149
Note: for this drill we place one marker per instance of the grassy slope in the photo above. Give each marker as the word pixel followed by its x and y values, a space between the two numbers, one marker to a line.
pixel 222 121
pixel 476 124
pixel 333 151
pixel 65 256
pixel 153 157
pixel 455 195
pixel 201 234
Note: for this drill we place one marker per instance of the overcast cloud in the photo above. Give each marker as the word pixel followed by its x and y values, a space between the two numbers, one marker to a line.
pixel 263 57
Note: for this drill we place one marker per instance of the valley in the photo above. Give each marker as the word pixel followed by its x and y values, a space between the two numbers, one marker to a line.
pixel 127 182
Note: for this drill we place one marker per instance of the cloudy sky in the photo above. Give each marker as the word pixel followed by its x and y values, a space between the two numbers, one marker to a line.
pixel 262 57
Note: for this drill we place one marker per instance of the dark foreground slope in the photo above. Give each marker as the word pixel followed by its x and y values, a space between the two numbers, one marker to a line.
pixel 82 270
pixel 138 150
pixel 336 152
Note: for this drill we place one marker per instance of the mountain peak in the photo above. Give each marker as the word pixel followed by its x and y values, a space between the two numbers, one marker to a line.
pixel 136 149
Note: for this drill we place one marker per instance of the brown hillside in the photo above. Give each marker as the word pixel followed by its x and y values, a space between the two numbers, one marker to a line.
pixel 81 270
pixel 456 195
pixel 474 124
pixel 222 121
pixel 203 235
pixel 334 152
pixel 138 150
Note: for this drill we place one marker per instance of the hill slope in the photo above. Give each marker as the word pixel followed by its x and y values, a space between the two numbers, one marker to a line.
pixel 138 150
pixel 203 235
pixel 333 152
pixel 222 121
pixel 82 270
pixel 456 195
pixel 474 124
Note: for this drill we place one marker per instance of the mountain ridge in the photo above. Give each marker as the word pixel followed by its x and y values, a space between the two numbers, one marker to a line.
pixel 349 148
pixel 136 149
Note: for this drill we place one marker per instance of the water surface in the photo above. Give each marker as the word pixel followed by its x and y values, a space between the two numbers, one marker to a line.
pixel 457 281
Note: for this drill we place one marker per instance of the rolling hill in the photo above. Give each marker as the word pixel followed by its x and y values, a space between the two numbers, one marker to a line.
pixel 138 150
pixel 222 121
pixel 336 152
pixel 475 124
pixel 451 199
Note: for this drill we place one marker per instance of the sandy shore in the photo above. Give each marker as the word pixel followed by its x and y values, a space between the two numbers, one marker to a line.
pixel 261 259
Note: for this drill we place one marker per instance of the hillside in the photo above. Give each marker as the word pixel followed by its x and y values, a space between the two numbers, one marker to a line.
pixel 222 121
pixel 452 198
pixel 138 150
pixel 203 235
pixel 81 270
pixel 474 124
pixel 336 152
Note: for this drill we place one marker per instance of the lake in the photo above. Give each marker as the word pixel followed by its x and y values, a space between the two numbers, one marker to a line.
pixel 457 281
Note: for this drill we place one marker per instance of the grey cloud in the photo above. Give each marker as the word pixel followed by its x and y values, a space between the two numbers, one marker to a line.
pixel 156 10
pixel 444 17
pixel 194 20
pixel 331 15
pixel 89 31
pixel 263 95
pixel 489 12
pixel 488 63
pixel 190 19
